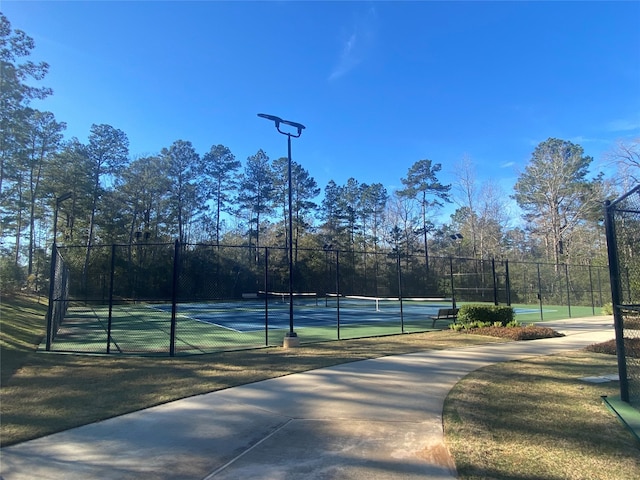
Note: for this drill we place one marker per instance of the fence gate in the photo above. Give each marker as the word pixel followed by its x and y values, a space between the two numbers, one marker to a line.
pixel 622 221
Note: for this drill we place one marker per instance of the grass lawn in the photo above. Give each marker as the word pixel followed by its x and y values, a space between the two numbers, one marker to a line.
pixel 535 419
pixel 518 422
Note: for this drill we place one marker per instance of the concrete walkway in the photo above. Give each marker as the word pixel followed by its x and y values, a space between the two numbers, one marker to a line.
pixel 374 419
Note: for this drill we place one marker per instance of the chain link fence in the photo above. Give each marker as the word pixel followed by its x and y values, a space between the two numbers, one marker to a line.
pixel 623 232
pixel 176 299
pixel 58 295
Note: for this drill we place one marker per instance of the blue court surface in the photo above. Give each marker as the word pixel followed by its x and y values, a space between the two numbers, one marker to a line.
pixel 244 317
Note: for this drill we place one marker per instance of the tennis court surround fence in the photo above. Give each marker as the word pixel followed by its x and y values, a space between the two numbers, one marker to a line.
pixel 623 234
pixel 136 298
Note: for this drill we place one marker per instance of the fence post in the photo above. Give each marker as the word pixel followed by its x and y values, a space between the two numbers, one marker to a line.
pixel 616 298
pixel 600 288
pixel 52 279
pixel 400 292
pixel 593 303
pixel 495 281
pixel 174 298
pixel 111 275
pixel 566 275
pixel 338 291
pixel 507 281
pixel 453 288
pixel 540 292
pixel 266 296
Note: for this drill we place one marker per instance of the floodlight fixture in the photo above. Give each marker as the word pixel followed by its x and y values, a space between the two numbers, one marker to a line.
pixel 277 120
pixel 295 125
pixel 457 237
pixel 64 197
pixel 273 118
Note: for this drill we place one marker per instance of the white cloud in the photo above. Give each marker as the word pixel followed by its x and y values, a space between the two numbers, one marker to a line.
pixel 623 125
pixel 579 139
pixel 348 58
pixel 357 44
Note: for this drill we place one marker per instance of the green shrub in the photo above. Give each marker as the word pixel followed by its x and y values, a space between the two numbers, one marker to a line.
pixel 478 324
pixel 486 314
pixel 607 309
pixel 468 326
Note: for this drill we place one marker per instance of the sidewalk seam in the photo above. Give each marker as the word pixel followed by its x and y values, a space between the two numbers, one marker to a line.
pixel 237 457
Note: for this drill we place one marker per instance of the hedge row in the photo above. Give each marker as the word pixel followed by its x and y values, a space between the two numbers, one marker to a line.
pixel 486 313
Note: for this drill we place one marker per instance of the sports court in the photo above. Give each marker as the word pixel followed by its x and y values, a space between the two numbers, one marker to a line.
pixel 173 299
pixel 255 321
pixel 310 310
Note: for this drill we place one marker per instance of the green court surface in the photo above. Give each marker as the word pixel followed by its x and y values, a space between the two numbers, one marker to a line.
pixel 217 326
pixel 534 313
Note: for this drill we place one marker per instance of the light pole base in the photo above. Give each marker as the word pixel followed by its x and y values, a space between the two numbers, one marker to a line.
pixel 291 341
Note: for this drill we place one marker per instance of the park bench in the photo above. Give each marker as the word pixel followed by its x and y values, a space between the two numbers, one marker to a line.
pixel 445 314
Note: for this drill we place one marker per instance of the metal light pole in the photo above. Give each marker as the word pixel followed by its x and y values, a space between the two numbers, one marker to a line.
pixel 291 336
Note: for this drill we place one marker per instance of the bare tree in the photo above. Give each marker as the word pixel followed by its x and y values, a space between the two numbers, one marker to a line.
pixel 466 196
pixel 625 157
pixel 493 218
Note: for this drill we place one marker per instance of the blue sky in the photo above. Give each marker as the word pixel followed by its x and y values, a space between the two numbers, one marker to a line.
pixel 379 85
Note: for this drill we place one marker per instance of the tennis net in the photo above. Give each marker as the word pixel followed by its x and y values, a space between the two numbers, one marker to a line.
pixel 381 303
pixel 304 298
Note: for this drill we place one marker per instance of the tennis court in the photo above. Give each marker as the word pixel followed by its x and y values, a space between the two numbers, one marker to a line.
pixel 309 311
pixel 232 324
pixel 192 298
pixel 256 321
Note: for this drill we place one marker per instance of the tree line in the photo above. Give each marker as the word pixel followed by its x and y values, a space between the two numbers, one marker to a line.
pixel 212 197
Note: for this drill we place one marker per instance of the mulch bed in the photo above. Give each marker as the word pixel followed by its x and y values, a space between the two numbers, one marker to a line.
pixel 631 347
pixel 530 332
